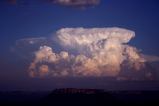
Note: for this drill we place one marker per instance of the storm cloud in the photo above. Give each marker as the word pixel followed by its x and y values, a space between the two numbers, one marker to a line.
pixel 88 52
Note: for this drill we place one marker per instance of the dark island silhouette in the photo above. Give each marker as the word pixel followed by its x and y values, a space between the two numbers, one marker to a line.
pixel 80 97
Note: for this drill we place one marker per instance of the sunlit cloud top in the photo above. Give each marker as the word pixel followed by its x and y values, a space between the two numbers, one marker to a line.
pixel 88 52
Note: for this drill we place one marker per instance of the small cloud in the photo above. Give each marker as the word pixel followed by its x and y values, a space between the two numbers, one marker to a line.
pixel 76 3
pixel 69 3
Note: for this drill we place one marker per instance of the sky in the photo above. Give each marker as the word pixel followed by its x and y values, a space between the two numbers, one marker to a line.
pixel 27 19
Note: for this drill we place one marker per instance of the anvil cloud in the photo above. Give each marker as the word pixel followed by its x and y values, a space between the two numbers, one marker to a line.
pixel 92 52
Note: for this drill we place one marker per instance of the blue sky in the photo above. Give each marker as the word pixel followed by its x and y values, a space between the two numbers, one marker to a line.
pixel 33 20
pixel 42 19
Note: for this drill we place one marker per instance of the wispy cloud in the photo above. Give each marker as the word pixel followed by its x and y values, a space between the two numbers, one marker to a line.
pixel 76 3
pixel 69 3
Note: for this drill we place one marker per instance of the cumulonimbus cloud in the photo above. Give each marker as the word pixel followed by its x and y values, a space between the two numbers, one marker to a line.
pixel 96 52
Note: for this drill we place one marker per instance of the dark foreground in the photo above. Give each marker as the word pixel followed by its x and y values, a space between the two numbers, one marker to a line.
pixel 71 96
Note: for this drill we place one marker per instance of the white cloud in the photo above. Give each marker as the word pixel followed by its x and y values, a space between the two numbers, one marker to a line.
pixel 100 52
